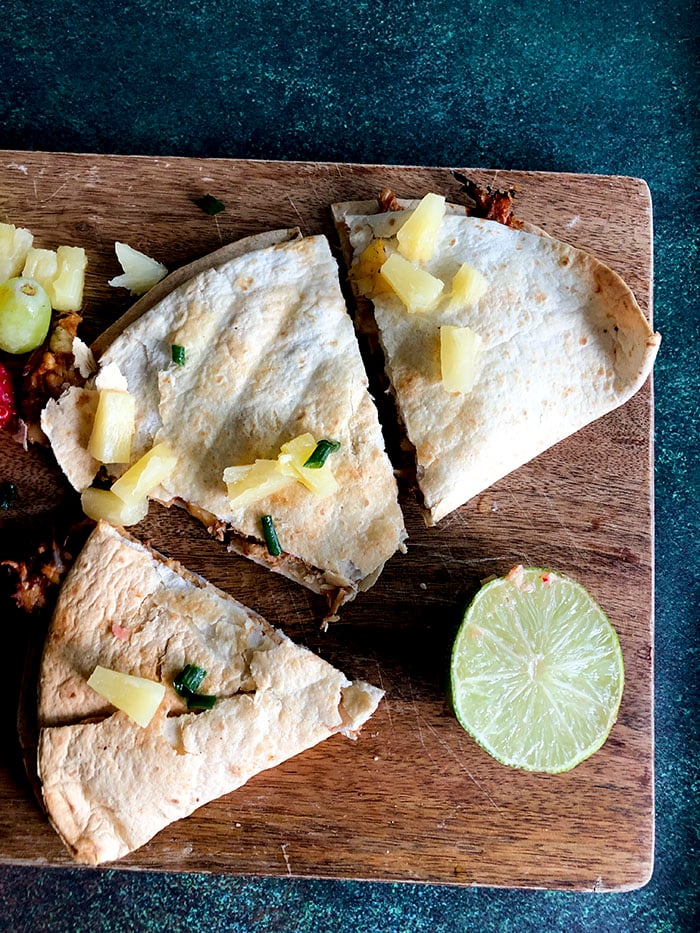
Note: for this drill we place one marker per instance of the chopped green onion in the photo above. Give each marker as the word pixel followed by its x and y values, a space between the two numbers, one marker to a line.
pixel 320 454
pixel 188 682
pixel 271 540
pixel 200 701
pixel 210 205
pixel 178 354
pixel 8 494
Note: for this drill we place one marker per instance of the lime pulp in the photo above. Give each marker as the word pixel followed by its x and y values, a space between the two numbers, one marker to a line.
pixel 536 671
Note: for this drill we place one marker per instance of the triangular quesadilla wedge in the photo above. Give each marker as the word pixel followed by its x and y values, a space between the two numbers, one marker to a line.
pixel 268 355
pixel 555 341
pixel 109 784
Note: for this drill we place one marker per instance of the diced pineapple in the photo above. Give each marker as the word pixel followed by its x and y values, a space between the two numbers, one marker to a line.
pixel 42 266
pixel 149 471
pixel 113 427
pixel 60 273
pixel 140 271
pixel 365 272
pixel 14 245
pixel 66 290
pixel 138 697
pixel 252 482
pixel 294 454
pixel 459 349
pixel 103 504
pixel 468 285
pixel 418 289
pixel 417 236
pixel 320 482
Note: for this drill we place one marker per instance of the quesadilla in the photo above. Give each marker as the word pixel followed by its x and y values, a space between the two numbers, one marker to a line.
pixel 266 356
pixel 544 337
pixel 110 784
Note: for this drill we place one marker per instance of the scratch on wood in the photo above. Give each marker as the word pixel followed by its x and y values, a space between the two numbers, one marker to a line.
pixel 286 858
pixel 296 211
pixel 387 705
pixel 461 764
pixel 299 614
pixel 420 719
pixel 60 188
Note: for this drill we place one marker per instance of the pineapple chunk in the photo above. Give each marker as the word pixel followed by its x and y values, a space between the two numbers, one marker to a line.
pixel 60 273
pixel 249 484
pixel 418 289
pixel 295 453
pixel 365 272
pixel 468 285
pixel 417 236
pixel 113 428
pixel 293 456
pixel 66 291
pixel 14 245
pixel 459 349
pixel 148 472
pixel 42 266
pixel 138 697
pixel 103 504
pixel 140 271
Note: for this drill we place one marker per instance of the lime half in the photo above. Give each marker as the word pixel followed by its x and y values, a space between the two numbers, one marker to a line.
pixel 536 672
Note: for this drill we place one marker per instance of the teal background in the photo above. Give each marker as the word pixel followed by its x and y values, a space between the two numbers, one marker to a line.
pixel 603 87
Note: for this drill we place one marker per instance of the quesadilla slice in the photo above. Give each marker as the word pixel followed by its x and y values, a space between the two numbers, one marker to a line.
pixel 235 376
pixel 498 340
pixel 110 784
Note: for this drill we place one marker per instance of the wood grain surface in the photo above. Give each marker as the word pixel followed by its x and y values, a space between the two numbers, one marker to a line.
pixel 414 798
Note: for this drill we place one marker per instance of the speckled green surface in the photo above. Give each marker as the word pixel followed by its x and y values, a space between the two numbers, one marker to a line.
pixel 604 87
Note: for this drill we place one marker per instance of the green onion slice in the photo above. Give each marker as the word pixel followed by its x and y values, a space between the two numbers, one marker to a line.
pixel 210 205
pixel 189 679
pixel 200 701
pixel 186 685
pixel 320 454
pixel 178 354
pixel 271 540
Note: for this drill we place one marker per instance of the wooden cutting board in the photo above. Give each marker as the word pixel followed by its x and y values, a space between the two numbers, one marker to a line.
pixel 414 799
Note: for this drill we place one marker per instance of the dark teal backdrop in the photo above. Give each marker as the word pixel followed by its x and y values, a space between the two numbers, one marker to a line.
pixel 604 87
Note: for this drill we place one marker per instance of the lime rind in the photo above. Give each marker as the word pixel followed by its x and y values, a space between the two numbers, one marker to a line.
pixel 536 671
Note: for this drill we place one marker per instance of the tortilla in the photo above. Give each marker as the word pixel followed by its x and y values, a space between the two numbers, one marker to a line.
pixel 563 343
pixel 270 354
pixel 110 785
